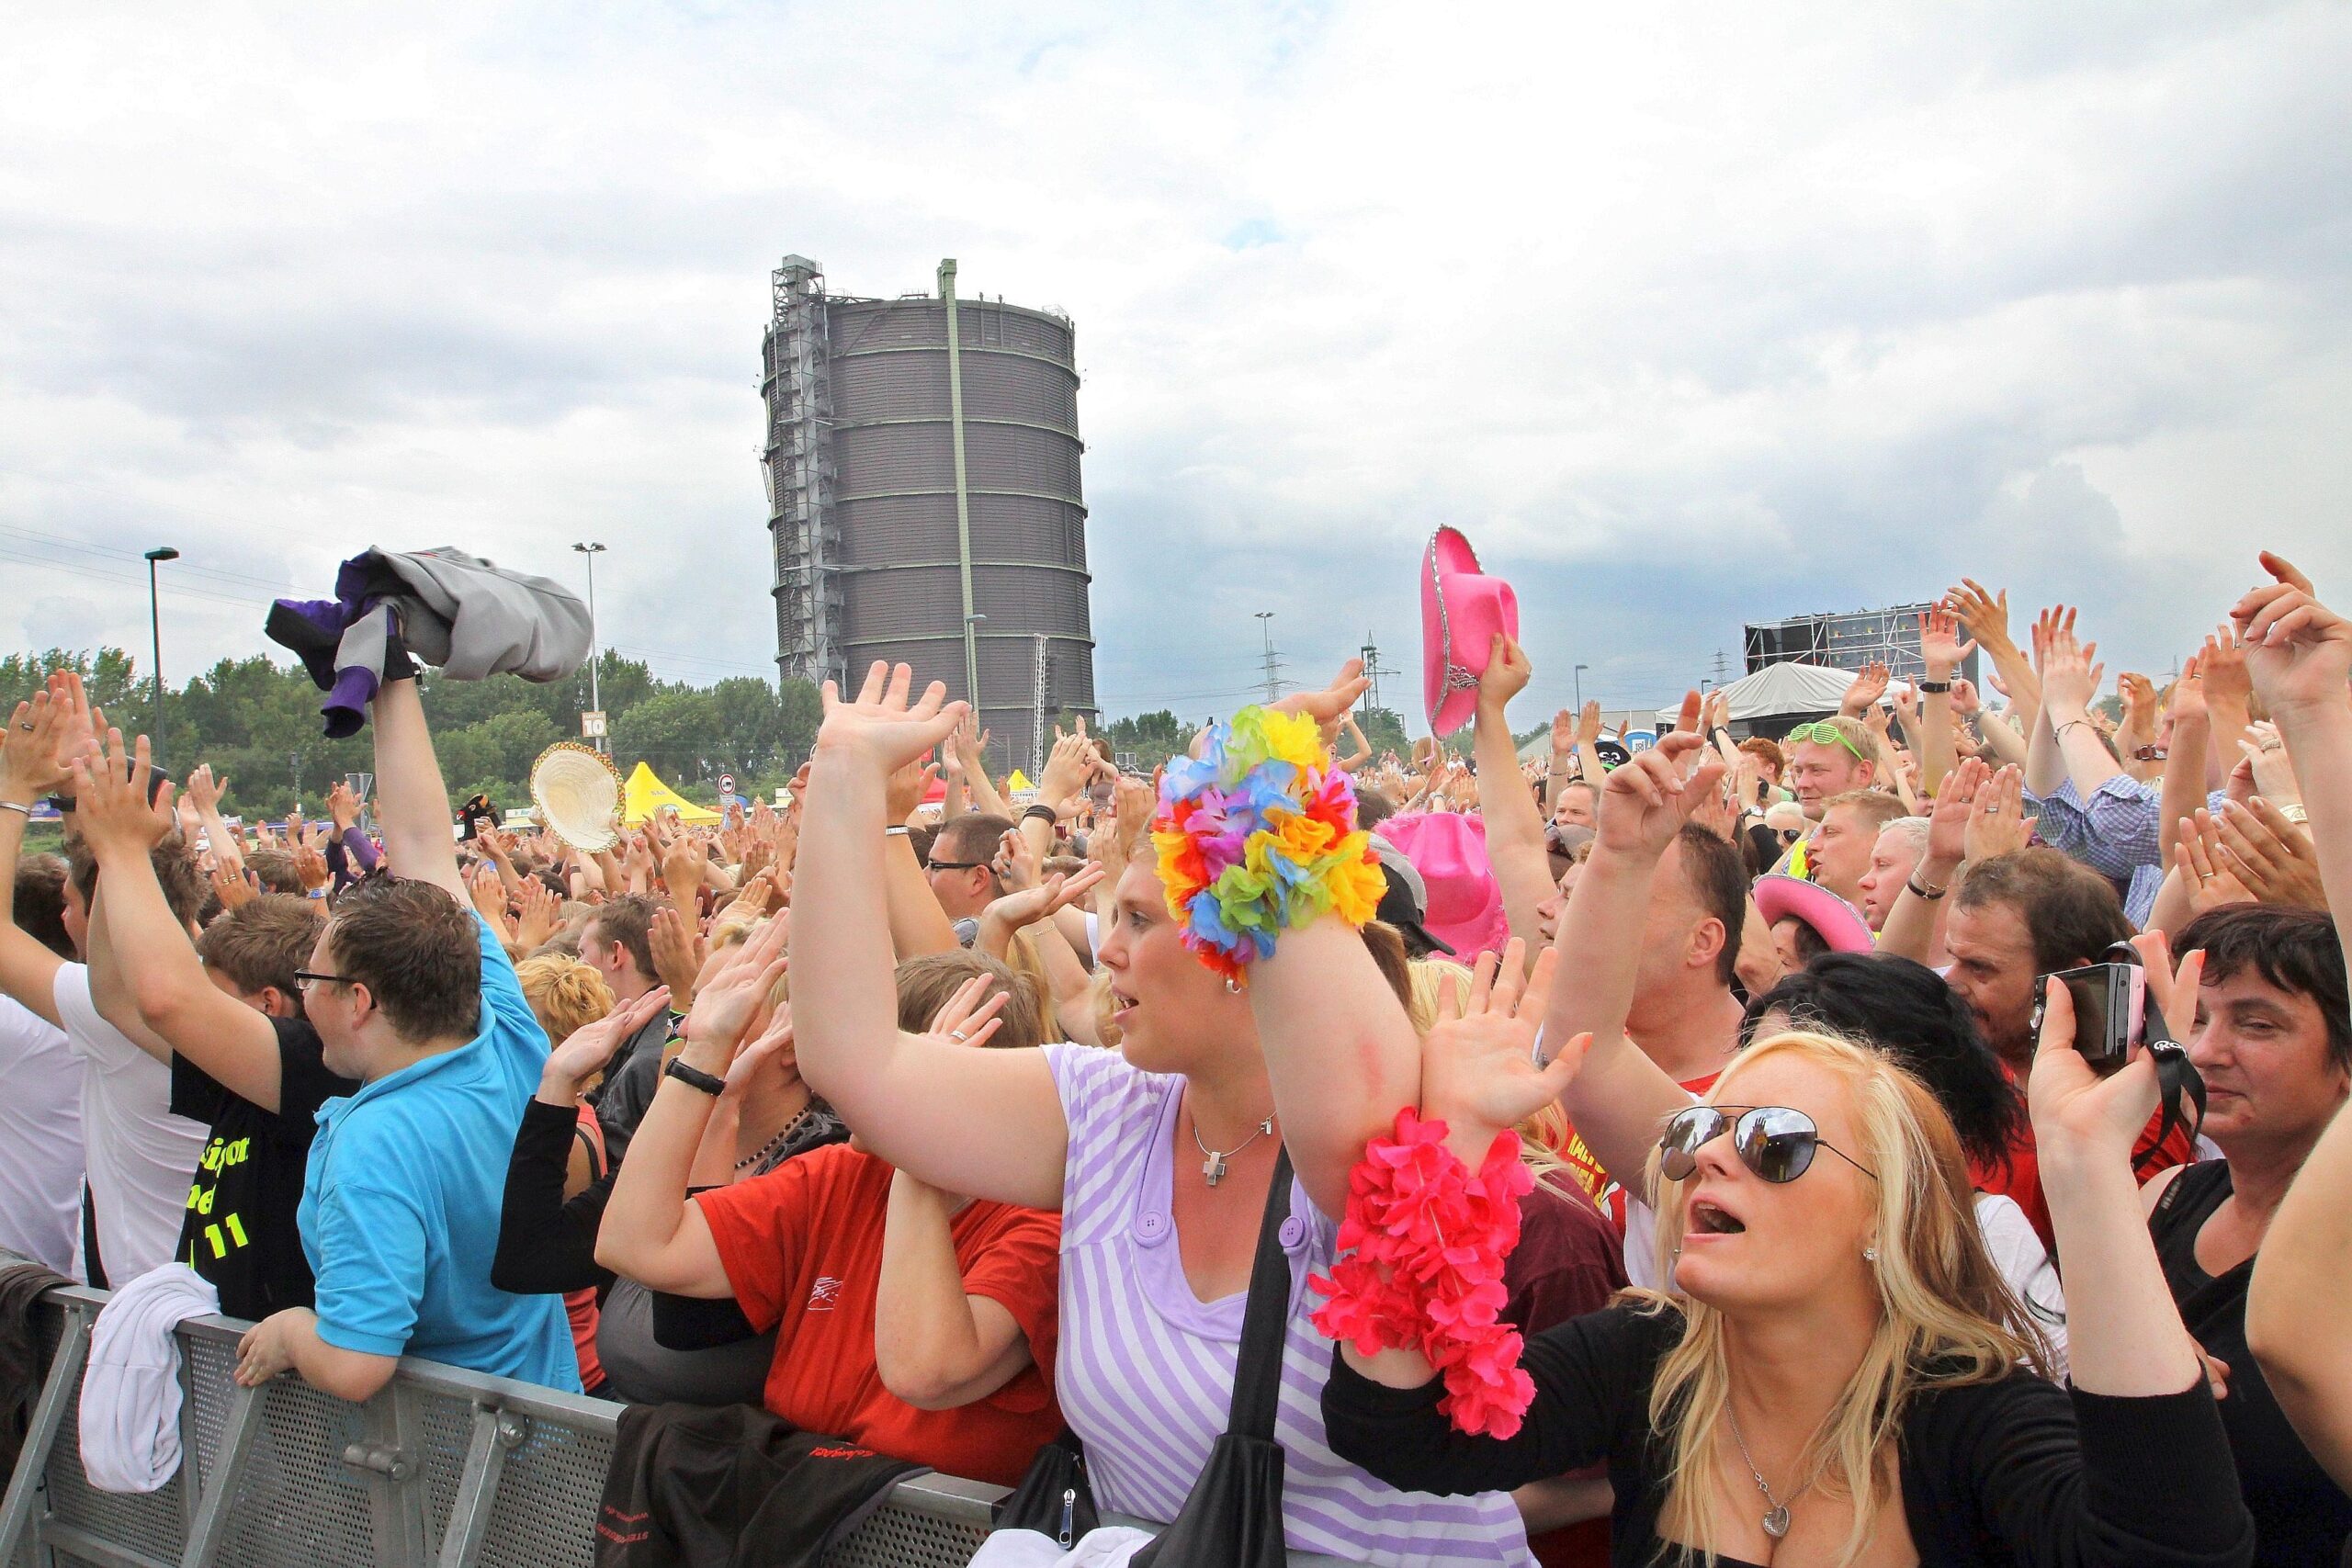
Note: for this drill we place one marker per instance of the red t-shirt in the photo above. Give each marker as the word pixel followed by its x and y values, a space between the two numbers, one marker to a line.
pixel 802 1247
pixel 2021 1178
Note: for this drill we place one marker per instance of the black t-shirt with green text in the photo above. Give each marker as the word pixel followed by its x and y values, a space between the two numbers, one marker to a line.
pixel 239 1231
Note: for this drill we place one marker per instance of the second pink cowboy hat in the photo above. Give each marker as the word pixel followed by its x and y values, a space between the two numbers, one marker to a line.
pixel 1462 609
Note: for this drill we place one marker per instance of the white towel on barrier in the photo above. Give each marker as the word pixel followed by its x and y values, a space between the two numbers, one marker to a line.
pixel 1108 1547
pixel 131 1394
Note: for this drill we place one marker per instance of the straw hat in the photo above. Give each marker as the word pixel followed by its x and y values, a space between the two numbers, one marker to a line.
pixel 578 794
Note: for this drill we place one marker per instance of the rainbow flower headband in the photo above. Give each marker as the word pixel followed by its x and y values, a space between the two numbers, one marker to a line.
pixel 1258 835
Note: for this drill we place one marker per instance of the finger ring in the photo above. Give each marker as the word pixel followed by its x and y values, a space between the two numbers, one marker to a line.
pixel 25 728
pixel 957 1034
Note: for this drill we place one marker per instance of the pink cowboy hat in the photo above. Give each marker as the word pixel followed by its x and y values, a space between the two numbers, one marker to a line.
pixel 1462 609
pixel 1465 902
pixel 1833 920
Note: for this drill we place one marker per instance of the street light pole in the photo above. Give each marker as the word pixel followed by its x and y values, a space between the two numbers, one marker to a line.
pixel 1580 669
pixel 155 625
pixel 596 691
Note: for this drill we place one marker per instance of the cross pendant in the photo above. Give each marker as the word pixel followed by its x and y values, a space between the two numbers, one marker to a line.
pixel 1213 1169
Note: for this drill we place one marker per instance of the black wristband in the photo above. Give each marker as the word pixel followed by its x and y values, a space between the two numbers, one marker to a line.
pixel 1914 884
pixel 1045 814
pixel 695 1077
pixel 1944 687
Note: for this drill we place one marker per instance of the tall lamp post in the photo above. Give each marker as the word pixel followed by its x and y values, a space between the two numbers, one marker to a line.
pixel 155 625
pixel 1580 669
pixel 596 691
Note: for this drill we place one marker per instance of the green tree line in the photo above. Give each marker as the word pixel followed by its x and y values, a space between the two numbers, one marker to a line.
pixel 259 724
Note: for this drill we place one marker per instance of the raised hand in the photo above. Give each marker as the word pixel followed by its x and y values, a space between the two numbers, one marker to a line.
pixel 970 1013
pixel 1996 822
pixel 1508 672
pixel 2224 659
pixel 1329 703
pixel 342 806
pixel 1941 647
pixel 1646 801
pixel 2272 857
pixel 589 1048
pixel 2198 854
pixel 1068 767
pixel 542 912
pixel 732 997
pixel 2297 651
pixel 2070 675
pixel 110 799
pixel 1588 724
pixel 1057 892
pixel 1985 615
pixel 1966 700
pixel 685 865
pixel 45 739
pixel 2274 771
pixel 1015 863
pixel 229 884
pixel 882 728
pixel 206 793
pixel 1867 687
pixel 903 795
pixel 1479 1074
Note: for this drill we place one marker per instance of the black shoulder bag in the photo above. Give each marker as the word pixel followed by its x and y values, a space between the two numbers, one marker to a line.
pixel 1233 1516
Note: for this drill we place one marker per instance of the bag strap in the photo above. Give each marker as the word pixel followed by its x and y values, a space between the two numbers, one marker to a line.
pixel 1265 1322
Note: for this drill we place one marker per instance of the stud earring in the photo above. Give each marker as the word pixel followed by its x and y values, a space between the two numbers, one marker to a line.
pixel 1870 1255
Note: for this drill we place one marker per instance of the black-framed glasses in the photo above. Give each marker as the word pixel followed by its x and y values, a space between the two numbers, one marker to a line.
pixel 303 978
pixel 1774 1141
pixel 956 864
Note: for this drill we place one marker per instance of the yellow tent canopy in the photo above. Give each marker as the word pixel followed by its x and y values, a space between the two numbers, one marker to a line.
pixel 644 794
pixel 1019 782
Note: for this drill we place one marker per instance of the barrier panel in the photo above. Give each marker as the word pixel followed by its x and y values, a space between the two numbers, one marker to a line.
pixel 445 1467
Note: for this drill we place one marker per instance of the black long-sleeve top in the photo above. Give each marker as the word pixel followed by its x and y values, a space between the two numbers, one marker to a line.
pixel 2014 1471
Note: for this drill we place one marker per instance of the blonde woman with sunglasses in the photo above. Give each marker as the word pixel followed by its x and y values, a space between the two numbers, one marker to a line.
pixel 1835 1371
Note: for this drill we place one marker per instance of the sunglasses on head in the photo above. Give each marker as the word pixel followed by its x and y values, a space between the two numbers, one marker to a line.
pixel 1824 735
pixel 1773 1141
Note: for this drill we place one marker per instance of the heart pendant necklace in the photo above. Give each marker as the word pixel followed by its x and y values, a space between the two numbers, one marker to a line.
pixel 1776 1512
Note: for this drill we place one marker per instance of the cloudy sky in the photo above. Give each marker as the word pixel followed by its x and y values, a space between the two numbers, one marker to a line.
pixel 1688 314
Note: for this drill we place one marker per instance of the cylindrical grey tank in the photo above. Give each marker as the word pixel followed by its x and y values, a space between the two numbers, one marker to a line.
pixel 864 499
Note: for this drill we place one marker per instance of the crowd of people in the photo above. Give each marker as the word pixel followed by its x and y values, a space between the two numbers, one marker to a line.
pixel 1827 1228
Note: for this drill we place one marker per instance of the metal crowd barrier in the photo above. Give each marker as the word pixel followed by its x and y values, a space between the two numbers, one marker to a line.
pixel 444 1467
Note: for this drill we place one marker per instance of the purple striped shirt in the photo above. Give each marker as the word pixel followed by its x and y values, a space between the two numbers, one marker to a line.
pixel 1145 1372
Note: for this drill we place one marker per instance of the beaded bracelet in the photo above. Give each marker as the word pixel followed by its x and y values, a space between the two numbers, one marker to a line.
pixel 1424 1243
pixel 1258 835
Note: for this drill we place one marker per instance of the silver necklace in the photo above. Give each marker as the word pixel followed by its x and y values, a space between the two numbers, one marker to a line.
pixel 1776 1512
pixel 1213 1160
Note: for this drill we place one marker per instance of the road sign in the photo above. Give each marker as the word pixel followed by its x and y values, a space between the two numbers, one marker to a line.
pixel 591 725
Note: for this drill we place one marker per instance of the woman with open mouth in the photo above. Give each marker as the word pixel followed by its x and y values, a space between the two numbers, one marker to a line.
pixel 1833 1371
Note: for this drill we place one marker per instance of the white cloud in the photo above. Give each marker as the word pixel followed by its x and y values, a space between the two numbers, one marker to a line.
pixel 1687 313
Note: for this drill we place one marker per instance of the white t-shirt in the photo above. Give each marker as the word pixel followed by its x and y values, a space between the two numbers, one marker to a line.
pixel 41 1139
pixel 142 1157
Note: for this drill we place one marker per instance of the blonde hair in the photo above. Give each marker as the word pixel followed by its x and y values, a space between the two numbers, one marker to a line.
pixel 1542 1135
pixel 565 993
pixel 1948 1317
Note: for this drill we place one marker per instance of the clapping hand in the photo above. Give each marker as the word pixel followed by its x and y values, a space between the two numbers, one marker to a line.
pixel 1479 1074
pixel 882 728
pixel 585 1052
pixel 2297 651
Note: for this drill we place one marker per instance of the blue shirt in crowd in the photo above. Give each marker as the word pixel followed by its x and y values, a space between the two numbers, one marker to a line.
pixel 400 1203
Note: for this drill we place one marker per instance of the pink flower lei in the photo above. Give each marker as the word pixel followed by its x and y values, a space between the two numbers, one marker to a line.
pixel 1424 1243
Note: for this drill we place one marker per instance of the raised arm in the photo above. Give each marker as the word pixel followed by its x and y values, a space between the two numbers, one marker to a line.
pixel 411 802
pixel 2123 1334
pixel 988 1124
pixel 1342 1052
pixel 175 1005
pixel 2069 680
pixel 1943 651
pixel 1514 826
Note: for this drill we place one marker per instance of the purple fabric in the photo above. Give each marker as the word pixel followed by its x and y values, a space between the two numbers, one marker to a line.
pixel 348 700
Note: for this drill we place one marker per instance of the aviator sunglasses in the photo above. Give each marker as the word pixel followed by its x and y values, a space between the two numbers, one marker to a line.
pixel 1773 1141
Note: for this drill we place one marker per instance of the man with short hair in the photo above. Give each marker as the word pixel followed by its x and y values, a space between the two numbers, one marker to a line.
pixel 2013 918
pixel 961 869
pixel 1893 857
pixel 1577 797
pixel 139 1155
pixel 1838 856
pixel 1828 758
pixel 413 995
pixel 618 942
